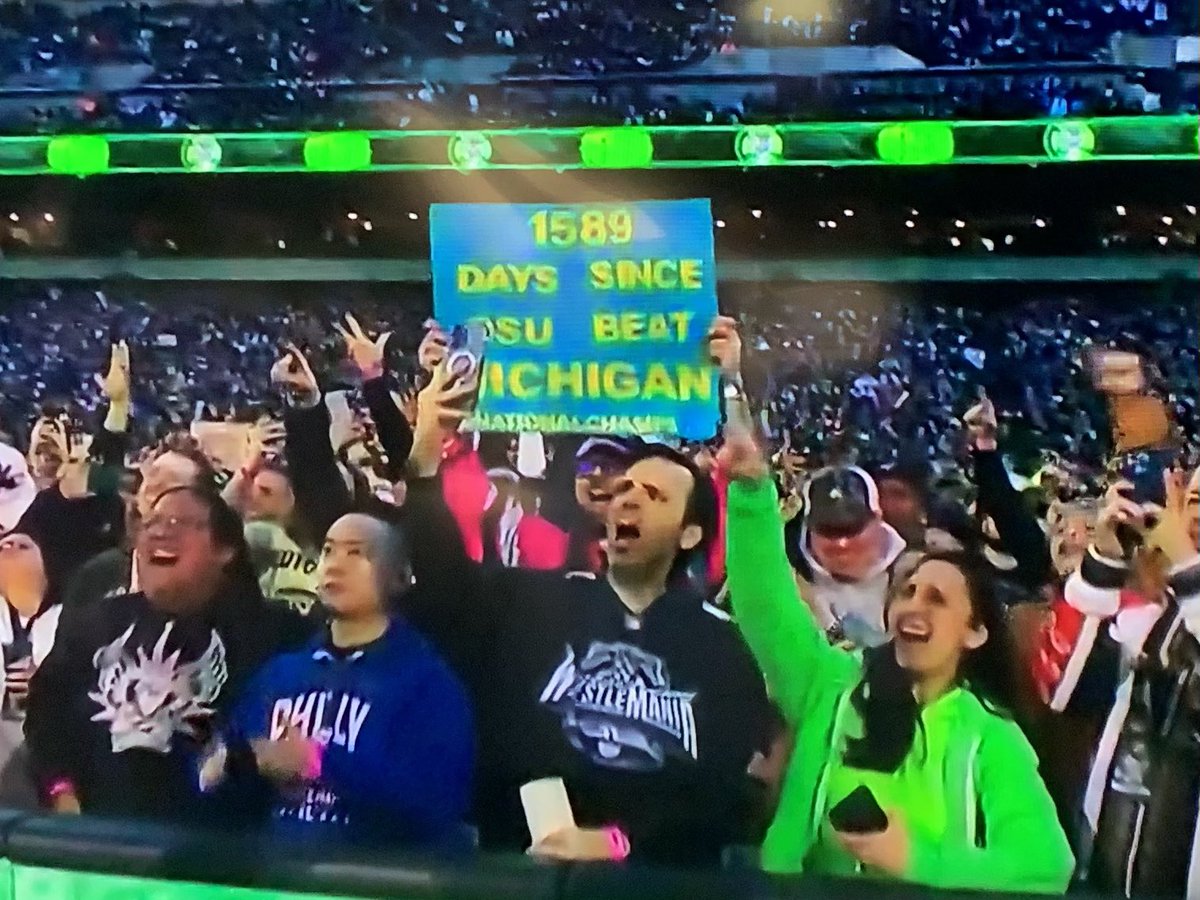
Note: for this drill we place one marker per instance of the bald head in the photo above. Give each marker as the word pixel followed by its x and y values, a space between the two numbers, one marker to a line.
pixel 364 562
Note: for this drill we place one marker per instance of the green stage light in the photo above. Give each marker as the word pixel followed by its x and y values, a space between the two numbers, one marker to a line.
pixel 78 154
pixel 470 150
pixel 201 153
pixel 1012 142
pixel 630 147
pixel 1069 140
pixel 337 151
pixel 759 145
pixel 915 143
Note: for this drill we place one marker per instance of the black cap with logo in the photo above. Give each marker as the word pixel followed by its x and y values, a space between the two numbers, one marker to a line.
pixel 840 501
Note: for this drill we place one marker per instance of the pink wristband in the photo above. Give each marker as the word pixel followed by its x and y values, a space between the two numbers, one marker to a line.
pixel 312 768
pixel 618 843
pixel 60 787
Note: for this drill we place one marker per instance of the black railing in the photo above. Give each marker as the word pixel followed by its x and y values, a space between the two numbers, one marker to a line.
pixel 95 857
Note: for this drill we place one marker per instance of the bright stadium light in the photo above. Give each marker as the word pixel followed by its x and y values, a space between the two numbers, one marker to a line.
pixel 915 143
pixel 337 151
pixel 78 154
pixel 628 147
pixel 201 153
pixel 470 150
pixel 1069 140
pixel 759 145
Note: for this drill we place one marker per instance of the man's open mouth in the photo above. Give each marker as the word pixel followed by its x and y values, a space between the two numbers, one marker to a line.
pixel 163 558
pixel 626 531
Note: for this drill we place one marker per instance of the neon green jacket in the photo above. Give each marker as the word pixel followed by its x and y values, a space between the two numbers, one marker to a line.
pixel 983 769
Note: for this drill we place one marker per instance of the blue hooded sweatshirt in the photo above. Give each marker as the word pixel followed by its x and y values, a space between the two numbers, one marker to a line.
pixel 397 733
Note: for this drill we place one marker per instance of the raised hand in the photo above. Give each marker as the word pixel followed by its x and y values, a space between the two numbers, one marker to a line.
pixel 435 346
pixel 365 353
pixel 725 346
pixel 115 382
pixel 1118 511
pixel 982 424
pixel 1172 534
pixel 293 373
pixel 443 403
pixel 740 457
pixel 264 439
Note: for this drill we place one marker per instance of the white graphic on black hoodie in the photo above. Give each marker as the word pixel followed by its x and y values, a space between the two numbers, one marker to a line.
pixel 618 708
pixel 147 698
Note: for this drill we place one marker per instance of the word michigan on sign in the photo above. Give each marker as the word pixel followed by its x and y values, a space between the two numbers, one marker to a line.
pixel 595 314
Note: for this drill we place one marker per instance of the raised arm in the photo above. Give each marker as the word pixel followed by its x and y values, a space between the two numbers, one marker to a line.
pixel 793 653
pixel 1016 525
pixel 322 496
pixel 452 601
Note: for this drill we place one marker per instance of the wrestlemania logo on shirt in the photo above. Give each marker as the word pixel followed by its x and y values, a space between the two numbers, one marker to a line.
pixel 617 707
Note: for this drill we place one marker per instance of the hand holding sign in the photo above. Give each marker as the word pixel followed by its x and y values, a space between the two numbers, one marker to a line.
pixel 365 353
pixel 725 346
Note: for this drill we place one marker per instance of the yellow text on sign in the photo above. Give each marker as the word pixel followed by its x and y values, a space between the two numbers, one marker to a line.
pixel 646 274
pixel 634 327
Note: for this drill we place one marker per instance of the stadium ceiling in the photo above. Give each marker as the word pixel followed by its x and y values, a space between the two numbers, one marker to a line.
pixel 1131 138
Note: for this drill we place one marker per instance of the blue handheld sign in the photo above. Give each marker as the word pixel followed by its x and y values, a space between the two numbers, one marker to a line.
pixel 595 314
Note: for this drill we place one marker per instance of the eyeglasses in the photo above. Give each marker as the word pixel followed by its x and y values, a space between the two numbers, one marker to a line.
pixel 174 523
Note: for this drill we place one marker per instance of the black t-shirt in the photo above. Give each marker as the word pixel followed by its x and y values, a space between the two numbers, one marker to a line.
pixel 128 697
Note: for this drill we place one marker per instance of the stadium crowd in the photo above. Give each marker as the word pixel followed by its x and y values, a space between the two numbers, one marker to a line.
pixel 258 576
pixel 283 64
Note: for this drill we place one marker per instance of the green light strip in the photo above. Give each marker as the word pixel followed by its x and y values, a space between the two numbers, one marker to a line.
pixel 1124 139
pixel 34 883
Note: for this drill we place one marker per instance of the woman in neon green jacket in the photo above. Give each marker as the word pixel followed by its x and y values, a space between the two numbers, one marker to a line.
pixel 921 721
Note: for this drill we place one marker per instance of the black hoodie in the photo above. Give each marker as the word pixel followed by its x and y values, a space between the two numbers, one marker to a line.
pixel 123 704
pixel 650 721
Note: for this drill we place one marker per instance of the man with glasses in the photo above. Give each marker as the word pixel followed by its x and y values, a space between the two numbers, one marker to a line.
pixel 120 709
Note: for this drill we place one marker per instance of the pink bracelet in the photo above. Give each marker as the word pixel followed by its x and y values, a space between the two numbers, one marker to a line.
pixel 60 787
pixel 312 768
pixel 618 843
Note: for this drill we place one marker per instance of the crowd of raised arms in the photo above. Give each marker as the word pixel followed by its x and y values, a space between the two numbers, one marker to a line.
pixel 363 628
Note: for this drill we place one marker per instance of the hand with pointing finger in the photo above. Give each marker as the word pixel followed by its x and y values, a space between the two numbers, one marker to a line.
pixel 115 383
pixel 293 373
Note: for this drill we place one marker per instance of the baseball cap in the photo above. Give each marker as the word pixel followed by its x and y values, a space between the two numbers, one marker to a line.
pixel 609 448
pixel 840 501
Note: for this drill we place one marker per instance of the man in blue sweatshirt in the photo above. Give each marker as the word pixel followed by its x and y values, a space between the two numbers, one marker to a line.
pixel 365 737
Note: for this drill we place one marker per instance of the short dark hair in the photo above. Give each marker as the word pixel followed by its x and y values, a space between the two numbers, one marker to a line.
pixel 228 531
pixel 183 444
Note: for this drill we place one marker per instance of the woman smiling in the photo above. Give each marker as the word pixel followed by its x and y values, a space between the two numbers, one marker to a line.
pixel 907 765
